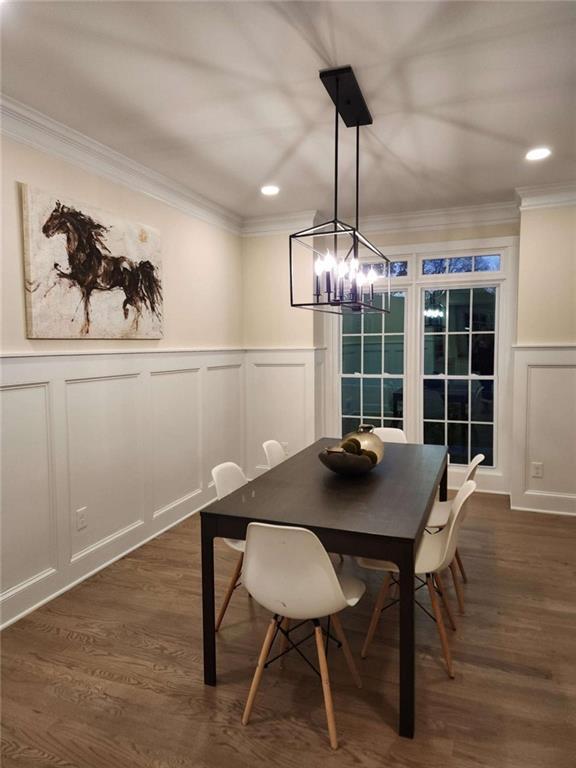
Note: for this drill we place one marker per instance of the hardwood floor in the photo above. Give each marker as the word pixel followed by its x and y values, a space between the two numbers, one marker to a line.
pixel 110 674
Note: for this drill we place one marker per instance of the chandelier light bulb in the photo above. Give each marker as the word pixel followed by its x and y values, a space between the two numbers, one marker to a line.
pixel 319 266
pixel 372 275
pixel 360 279
pixel 342 269
pixel 329 262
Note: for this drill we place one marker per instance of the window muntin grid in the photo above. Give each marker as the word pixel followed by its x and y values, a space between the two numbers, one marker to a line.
pixel 459 370
pixel 441 265
pixel 372 367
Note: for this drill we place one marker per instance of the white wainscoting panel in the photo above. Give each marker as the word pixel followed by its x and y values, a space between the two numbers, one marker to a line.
pixel 223 414
pixel 123 435
pixel 131 437
pixel 174 434
pixel 320 393
pixel 551 428
pixel 29 537
pixel 544 429
pixel 280 402
pixel 104 459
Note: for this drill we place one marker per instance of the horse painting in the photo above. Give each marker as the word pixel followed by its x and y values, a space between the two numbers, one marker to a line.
pixel 96 266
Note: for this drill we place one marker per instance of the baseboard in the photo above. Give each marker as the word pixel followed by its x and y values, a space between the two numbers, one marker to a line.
pixel 543 511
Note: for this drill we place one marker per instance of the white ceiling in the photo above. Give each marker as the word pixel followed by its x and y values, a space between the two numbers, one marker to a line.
pixel 224 96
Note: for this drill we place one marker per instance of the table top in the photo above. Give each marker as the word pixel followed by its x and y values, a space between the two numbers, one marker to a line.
pixel 393 500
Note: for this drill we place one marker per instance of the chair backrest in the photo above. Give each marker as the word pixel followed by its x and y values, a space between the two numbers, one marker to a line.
pixel 288 571
pixel 228 477
pixel 473 466
pixel 457 515
pixel 275 453
pixel 390 435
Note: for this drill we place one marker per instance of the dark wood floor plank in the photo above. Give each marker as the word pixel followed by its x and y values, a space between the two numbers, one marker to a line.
pixel 110 673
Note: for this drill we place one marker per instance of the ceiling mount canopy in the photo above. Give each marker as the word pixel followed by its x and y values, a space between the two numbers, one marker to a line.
pixel 345 92
pixel 349 273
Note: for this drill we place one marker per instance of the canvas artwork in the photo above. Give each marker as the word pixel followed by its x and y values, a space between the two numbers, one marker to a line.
pixel 89 274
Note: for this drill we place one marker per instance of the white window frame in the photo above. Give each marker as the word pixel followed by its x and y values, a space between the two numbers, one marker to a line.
pixel 496 479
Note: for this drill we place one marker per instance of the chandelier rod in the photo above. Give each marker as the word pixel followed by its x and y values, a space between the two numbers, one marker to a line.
pixel 336 118
pixel 357 173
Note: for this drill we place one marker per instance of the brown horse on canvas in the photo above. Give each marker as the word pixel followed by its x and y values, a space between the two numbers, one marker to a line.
pixel 93 268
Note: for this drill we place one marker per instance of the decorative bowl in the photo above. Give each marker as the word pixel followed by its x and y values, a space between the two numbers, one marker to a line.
pixel 356 454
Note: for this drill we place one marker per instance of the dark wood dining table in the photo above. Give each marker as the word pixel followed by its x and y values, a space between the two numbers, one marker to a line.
pixel 380 515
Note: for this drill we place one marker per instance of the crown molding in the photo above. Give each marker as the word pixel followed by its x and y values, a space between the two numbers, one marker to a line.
pixel 548 196
pixel 268 225
pixel 28 126
pixel 443 218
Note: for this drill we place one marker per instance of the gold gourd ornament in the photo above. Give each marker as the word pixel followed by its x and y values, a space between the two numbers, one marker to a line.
pixel 357 453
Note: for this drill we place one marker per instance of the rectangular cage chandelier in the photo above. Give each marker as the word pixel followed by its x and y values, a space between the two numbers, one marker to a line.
pixel 334 268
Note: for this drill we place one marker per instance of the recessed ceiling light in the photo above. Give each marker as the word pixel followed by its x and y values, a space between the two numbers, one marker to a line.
pixel 270 190
pixel 538 153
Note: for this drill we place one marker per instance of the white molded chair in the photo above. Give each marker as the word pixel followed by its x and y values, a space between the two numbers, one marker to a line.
pixel 288 571
pixel 390 435
pixel 228 477
pixel 275 453
pixel 439 518
pixel 435 553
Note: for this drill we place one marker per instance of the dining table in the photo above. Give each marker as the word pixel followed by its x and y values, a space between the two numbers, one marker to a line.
pixel 380 515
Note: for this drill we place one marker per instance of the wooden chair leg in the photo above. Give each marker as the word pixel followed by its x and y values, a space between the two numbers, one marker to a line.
pixel 440 583
pixel 440 624
pixel 380 600
pixel 346 649
pixel 457 587
pixel 231 587
pixel 328 703
pixel 461 567
pixel 266 645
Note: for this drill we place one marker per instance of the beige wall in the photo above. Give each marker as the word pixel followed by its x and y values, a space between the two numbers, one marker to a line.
pixel 547 276
pixel 269 320
pixel 202 272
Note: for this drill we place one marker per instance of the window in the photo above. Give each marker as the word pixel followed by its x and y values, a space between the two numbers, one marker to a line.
pixel 435 368
pixel 458 370
pixel 372 366
pixel 460 264
pixel 397 268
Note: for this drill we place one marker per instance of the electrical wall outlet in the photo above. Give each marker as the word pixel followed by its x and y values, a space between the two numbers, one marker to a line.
pixel 81 518
pixel 537 469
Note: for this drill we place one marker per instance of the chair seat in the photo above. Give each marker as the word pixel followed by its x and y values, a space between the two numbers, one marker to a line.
pixel 440 514
pixel 428 559
pixel 352 588
pixel 236 544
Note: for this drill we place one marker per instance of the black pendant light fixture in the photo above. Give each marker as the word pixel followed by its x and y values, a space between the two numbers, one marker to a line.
pixel 349 272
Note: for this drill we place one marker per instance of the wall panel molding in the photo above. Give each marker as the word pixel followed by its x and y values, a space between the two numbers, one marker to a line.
pixel 27 481
pixel 89 550
pixel 544 425
pixel 184 412
pixel 281 398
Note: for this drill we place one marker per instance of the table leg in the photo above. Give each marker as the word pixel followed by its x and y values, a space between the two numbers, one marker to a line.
pixel 407 646
pixel 208 614
pixel 444 484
